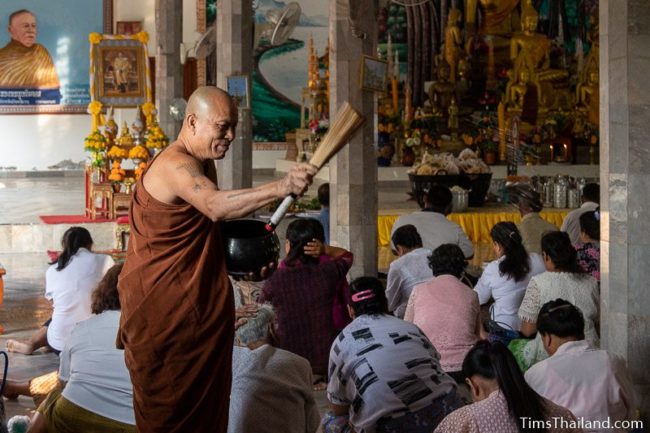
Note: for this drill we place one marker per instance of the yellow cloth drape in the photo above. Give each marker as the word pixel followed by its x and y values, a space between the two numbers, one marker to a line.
pixel 476 225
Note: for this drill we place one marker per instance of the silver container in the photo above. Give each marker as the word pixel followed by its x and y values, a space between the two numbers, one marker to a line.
pixel 573 198
pixel 547 193
pixel 559 195
pixel 459 200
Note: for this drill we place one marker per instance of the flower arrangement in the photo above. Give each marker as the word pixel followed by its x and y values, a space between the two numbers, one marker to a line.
pixel 139 170
pixel 319 126
pixel 156 138
pixel 117 172
pixel 95 142
pixel 138 152
pixel 117 153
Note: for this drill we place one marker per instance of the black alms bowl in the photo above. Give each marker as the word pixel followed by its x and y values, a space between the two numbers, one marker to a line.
pixel 248 246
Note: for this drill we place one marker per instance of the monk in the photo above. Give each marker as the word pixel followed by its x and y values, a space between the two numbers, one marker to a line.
pixel 178 314
pixel 23 62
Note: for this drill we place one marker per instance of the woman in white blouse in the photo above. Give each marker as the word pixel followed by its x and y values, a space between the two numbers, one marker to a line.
pixel 69 282
pixel 505 280
pixel 563 279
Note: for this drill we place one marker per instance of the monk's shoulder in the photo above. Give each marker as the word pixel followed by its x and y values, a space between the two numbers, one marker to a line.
pixel 171 161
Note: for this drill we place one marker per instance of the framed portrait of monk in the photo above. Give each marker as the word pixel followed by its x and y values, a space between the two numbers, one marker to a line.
pixel 44 54
pixel 120 69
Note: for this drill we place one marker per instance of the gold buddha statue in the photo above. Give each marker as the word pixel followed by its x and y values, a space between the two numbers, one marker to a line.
pixel 453 43
pixel 588 95
pixel 441 91
pixel 499 17
pixel 532 51
pixel 452 121
pixel 516 93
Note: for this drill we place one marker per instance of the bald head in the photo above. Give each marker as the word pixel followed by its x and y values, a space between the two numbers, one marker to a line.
pixel 210 122
pixel 205 100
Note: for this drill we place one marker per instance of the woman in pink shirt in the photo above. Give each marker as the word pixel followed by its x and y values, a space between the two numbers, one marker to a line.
pixel 446 309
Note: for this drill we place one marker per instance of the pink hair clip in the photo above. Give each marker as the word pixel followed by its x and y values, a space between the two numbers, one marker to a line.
pixel 363 295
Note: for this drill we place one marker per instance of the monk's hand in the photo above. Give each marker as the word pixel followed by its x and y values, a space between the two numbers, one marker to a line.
pixel 243 313
pixel 297 181
pixel 262 274
pixel 314 248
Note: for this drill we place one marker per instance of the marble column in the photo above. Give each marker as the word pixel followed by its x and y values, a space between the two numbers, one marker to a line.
pixel 169 71
pixel 353 172
pixel 625 187
pixel 235 57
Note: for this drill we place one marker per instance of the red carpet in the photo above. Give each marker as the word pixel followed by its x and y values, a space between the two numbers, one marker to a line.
pixel 70 219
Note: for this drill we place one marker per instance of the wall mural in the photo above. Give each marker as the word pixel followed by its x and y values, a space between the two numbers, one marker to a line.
pixel 281 62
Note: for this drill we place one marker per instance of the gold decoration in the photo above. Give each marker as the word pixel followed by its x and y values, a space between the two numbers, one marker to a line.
pixel 95 38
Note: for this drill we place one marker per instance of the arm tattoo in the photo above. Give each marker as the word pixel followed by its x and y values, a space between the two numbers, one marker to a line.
pixel 198 186
pixel 190 168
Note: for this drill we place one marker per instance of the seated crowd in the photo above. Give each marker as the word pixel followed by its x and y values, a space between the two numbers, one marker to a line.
pixel 405 358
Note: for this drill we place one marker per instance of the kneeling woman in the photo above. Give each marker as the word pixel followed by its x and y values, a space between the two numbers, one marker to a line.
pixel 385 374
pixel 97 393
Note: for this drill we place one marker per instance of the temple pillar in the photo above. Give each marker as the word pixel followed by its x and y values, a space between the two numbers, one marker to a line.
pixel 169 71
pixel 353 172
pixel 235 57
pixel 625 190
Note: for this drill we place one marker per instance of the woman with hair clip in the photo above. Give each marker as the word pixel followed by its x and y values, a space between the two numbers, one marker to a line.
pixel 505 280
pixel 385 374
pixel 69 282
pixel 303 290
pixel 563 279
pixel 589 247
pixel 503 402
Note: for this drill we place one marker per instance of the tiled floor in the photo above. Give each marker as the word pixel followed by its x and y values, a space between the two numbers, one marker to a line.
pixel 24 308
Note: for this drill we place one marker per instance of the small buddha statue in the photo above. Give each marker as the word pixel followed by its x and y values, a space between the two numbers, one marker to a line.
pixel 441 91
pixel 517 91
pixel 125 139
pixel 453 43
pixel 452 121
pixel 588 96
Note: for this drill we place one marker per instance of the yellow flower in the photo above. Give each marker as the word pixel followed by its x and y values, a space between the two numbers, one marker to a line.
pixel 95 38
pixel 95 107
pixel 138 152
pixel 142 37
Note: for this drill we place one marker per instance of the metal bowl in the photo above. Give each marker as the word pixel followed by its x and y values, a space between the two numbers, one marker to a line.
pixel 248 246
pixel 477 184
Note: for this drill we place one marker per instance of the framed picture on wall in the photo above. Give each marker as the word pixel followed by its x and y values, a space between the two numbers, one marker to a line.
pixel 48 72
pixel 120 70
pixel 128 27
pixel 238 90
pixel 373 74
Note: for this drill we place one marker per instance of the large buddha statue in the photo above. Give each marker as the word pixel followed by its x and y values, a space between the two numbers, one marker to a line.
pixel 499 17
pixel 453 43
pixel 532 50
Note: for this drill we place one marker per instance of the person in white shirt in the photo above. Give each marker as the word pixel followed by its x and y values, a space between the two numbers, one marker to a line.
pixel 505 280
pixel 590 200
pixel 69 283
pixel 408 270
pixel 432 223
pixel 591 383
pixel 271 388
pixel 97 391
